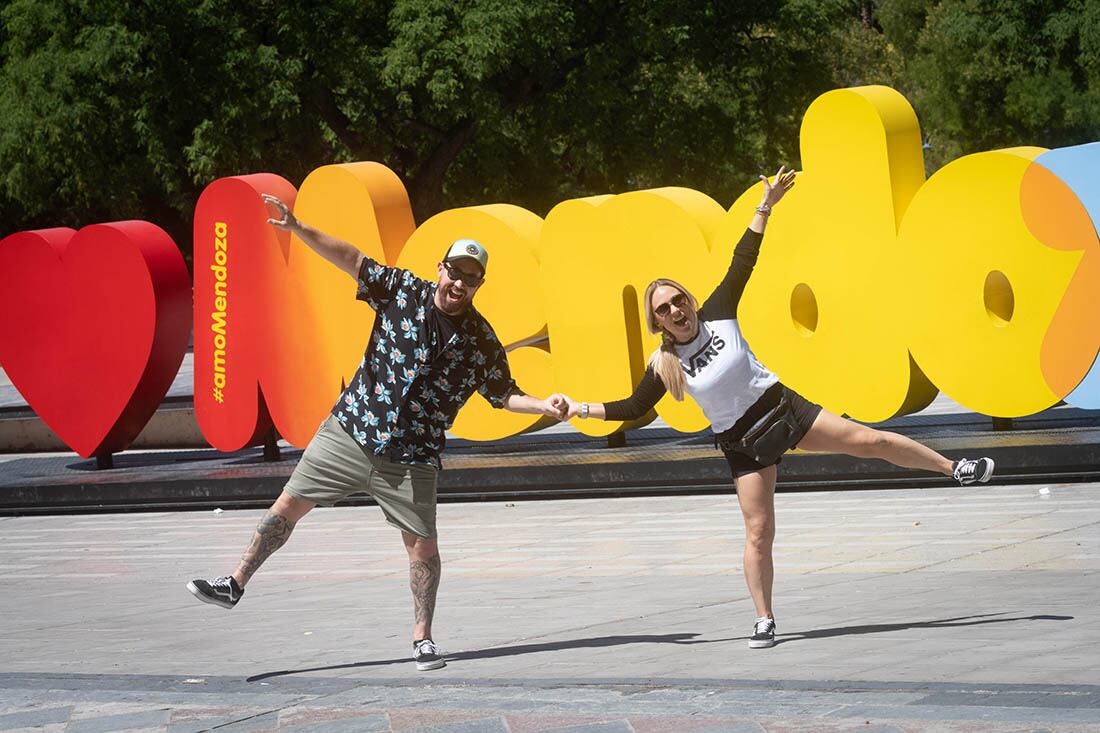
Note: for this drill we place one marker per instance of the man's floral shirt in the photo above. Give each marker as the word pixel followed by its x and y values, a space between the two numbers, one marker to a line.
pixel 400 401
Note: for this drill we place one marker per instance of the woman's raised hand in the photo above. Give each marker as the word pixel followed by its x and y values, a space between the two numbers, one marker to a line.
pixel 775 190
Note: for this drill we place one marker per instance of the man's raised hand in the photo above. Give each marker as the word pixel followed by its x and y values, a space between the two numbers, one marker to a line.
pixel 286 219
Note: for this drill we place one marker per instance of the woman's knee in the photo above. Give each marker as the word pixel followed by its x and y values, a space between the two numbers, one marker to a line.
pixel 760 534
pixel 870 443
pixel 881 441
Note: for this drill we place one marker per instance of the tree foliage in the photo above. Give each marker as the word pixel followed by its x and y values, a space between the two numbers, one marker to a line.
pixel 988 74
pixel 116 109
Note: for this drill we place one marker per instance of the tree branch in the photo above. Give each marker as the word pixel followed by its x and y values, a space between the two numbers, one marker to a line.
pixel 426 185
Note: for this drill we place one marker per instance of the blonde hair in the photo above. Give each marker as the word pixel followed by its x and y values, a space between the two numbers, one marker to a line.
pixel 665 361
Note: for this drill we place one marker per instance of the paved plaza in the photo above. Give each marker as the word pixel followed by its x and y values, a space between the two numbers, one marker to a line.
pixel 911 610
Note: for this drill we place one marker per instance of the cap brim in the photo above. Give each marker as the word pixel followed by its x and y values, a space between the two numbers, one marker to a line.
pixel 467 257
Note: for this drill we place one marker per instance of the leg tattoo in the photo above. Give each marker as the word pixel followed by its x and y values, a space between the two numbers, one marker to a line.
pixel 271 534
pixel 424 581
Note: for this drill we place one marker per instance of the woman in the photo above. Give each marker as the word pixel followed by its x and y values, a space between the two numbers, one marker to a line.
pixel 755 417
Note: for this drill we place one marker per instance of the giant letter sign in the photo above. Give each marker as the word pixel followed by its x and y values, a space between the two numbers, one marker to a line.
pixel 510 299
pixel 1001 283
pixel 1075 327
pixel 874 289
pixel 276 327
pixel 823 309
pixel 598 255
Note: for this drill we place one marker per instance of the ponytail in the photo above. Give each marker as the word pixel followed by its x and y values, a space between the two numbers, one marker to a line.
pixel 666 365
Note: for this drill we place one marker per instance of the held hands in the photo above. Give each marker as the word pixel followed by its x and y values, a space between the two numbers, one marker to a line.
pixel 774 191
pixel 573 408
pixel 556 406
pixel 287 220
pixel 561 407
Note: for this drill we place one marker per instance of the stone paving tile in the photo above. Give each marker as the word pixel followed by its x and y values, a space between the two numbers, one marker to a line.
pixel 428 721
pixel 35 718
pixel 697 724
pixel 190 720
pixel 998 714
pixel 542 723
pixel 264 722
pixel 609 726
pixel 155 719
pixel 343 721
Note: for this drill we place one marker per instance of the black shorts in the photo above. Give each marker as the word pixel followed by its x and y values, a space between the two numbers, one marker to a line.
pixel 805 412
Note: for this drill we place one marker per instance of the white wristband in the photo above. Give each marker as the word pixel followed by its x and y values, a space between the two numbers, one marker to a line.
pixel 584 410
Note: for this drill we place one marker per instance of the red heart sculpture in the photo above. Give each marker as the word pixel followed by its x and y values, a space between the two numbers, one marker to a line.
pixel 93 327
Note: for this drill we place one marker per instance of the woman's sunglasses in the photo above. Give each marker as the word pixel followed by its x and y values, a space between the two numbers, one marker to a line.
pixel 679 300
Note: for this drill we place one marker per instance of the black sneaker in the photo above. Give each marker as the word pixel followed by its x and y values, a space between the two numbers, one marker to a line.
pixel 763 634
pixel 222 591
pixel 426 655
pixel 967 471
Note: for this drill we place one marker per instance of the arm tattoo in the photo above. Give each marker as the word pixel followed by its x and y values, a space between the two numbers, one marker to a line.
pixel 271 534
pixel 424 581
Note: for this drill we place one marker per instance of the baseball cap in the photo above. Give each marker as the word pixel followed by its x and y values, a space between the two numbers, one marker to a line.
pixel 469 249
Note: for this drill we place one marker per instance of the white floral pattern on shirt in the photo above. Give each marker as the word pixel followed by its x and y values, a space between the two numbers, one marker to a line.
pixel 400 403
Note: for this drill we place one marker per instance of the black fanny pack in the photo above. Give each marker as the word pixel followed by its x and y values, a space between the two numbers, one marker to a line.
pixel 767 438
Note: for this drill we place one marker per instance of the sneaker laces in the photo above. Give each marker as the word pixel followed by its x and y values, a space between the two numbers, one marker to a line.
pixel 426 646
pixel 965 469
pixel 225 584
pixel 763 626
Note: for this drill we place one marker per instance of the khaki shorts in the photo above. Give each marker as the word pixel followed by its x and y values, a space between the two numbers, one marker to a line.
pixel 334 466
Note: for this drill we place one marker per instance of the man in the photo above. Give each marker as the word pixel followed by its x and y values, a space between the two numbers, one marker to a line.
pixel 428 351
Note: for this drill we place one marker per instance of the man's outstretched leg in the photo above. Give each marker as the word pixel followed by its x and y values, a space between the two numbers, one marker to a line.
pixel 271 533
pixel 424 572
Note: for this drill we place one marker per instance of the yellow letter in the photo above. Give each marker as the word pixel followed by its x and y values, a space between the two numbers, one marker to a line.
pixel 510 299
pixel 993 242
pixel 598 256
pixel 822 309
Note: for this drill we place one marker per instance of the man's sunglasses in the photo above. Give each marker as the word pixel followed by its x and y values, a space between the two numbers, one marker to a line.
pixel 456 274
pixel 679 300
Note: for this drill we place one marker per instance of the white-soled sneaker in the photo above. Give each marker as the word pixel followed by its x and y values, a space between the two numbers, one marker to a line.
pixel 222 591
pixel 967 471
pixel 763 633
pixel 427 655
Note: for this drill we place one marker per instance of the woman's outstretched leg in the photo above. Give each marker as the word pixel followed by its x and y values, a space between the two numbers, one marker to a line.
pixel 835 434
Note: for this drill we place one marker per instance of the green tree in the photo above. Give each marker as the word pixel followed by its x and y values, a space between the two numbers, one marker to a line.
pixel 117 109
pixel 987 74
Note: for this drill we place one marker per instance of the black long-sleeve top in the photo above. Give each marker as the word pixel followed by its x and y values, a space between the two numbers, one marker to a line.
pixel 720 305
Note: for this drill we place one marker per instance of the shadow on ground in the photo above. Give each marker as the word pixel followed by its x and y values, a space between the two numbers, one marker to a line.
pixel 598 642
pixel 946 623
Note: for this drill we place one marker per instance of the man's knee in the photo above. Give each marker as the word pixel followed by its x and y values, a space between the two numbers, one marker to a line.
pixel 292 507
pixel 420 548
